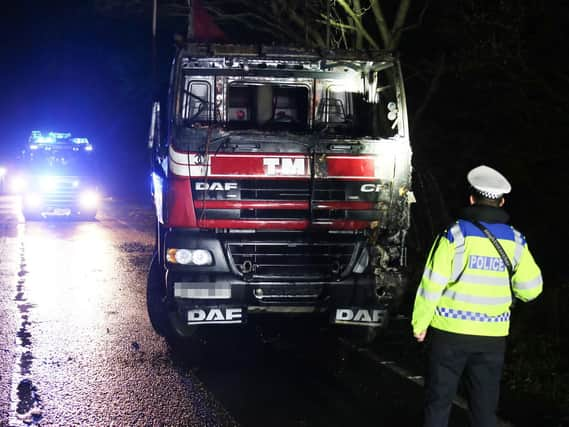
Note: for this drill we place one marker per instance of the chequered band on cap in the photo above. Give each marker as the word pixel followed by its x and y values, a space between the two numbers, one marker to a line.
pixel 486 194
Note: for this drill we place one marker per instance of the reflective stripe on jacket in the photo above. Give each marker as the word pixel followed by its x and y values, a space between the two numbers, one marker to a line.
pixel 465 287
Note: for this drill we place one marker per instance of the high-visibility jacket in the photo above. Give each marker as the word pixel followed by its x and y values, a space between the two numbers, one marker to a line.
pixel 465 288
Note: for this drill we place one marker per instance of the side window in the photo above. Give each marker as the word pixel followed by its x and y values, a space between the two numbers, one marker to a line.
pixel 195 101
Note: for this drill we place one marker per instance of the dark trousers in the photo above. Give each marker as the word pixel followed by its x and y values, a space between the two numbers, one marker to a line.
pixel 482 371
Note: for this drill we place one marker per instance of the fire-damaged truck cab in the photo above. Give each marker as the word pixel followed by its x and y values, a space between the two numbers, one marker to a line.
pixel 281 183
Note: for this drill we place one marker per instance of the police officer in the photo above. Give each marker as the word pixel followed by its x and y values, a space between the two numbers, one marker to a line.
pixel 463 302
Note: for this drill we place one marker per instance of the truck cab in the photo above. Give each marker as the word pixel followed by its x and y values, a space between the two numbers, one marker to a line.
pixel 282 182
pixel 57 177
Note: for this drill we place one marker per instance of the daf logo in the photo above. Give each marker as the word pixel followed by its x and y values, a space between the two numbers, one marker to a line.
pixel 370 188
pixel 284 166
pixel 360 316
pixel 215 315
pixel 216 186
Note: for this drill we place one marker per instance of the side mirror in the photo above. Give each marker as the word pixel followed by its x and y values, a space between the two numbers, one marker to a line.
pixel 156 159
pixel 154 134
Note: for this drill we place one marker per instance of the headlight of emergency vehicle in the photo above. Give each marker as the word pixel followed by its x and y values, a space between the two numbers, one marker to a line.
pixel 32 200
pixel 189 256
pixel 89 199
pixel 18 184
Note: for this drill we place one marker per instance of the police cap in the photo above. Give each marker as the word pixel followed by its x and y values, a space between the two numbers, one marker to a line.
pixel 488 182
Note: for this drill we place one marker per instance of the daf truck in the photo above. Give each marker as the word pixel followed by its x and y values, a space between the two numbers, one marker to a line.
pixel 281 181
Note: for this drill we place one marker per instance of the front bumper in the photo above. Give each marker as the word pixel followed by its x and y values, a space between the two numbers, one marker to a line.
pixel 264 287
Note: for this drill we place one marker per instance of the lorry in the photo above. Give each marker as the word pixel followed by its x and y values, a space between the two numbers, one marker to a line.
pixel 56 176
pixel 281 181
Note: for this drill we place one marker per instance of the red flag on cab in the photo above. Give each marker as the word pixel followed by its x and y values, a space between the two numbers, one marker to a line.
pixel 204 27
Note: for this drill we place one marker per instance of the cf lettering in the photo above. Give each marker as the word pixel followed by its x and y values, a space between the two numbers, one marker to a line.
pixel 370 188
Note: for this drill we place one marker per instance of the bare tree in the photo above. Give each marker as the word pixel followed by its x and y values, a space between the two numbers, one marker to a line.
pixel 317 23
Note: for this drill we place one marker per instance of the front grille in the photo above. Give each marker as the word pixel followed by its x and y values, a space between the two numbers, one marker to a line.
pixel 63 196
pixel 274 190
pixel 295 192
pixel 274 214
pixel 289 189
pixel 299 258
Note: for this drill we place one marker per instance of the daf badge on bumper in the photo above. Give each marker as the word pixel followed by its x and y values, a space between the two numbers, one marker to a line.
pixel 359 316
pixel 215 315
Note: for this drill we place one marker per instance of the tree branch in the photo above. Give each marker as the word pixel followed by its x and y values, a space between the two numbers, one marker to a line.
pixel 399 22
pixel 358 23
pixel 381 23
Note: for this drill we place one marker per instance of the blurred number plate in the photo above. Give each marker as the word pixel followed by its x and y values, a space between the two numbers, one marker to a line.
pixel 60 211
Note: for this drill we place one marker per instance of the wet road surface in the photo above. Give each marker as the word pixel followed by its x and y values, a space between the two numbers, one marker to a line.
pixel 77 347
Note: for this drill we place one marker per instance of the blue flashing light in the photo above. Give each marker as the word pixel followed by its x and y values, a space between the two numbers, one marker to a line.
pixel 51 137
pixel 46 141
pixel 60 135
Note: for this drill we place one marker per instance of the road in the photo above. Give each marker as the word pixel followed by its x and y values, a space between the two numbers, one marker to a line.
pixel 77 347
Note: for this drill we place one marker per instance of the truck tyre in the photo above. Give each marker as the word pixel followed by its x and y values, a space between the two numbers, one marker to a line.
pixel 163 321
pixel 156 298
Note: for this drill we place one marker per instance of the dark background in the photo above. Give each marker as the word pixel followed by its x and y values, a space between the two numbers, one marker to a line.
pixel 487 83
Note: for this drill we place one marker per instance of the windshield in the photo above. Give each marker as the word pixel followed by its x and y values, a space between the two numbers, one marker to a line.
pixel 353 104
pixel 58 162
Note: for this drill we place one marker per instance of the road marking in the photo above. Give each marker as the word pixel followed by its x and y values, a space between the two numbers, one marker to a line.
pixel 25 401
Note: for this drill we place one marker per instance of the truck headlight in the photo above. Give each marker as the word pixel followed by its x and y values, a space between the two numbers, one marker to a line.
pixel 189 256
pixel 201 257
pixel 89 199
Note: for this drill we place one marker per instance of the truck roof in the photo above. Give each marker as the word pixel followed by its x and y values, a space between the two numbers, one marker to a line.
pixel 269 51
pixel 202 55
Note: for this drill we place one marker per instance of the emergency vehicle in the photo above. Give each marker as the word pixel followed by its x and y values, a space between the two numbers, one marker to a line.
pixel 281 179
pixel 56 176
